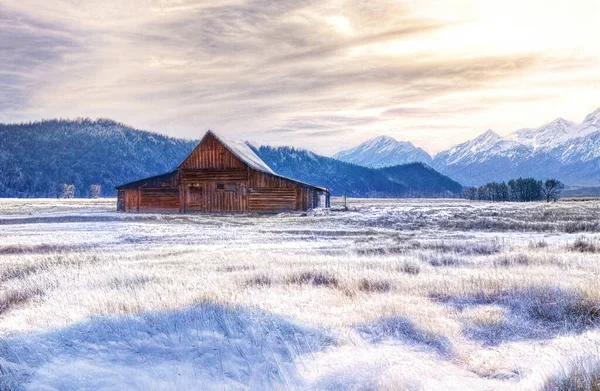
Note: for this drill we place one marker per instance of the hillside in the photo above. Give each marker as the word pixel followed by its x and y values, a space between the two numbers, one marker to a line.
pixel 410 180
pixel 36 158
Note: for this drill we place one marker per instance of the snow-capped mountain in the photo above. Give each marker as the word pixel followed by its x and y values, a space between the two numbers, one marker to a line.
pixel 486 158
pixel 384 151
pixel 546 136
pixel 590 125
pixel 484 147
pixel 561 149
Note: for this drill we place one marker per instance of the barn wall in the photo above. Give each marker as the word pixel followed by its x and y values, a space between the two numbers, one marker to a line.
pixel 205 197
pixel 260 179
pixel 227 175
pixel 271 199
pixel 159 199
pixel 211 154
pixel 121 200
pixel 224 200
pixel 131 200
pixel 270 193
pixel 211 199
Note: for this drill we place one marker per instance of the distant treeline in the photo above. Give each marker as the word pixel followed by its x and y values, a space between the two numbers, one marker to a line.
pixel 517 190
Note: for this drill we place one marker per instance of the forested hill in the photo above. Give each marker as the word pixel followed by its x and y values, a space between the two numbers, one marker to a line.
pixel 408 180
pixel 37 158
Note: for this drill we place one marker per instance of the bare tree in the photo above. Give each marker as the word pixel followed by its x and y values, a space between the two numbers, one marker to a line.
pixel 68 191
pixel 95 191
pixel 552 189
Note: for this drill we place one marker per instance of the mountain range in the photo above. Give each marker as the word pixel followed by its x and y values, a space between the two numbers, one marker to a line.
pixel 560 149
pixel 37 158
pixel 384 151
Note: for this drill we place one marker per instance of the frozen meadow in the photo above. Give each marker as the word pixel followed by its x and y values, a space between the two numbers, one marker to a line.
pixel 389 295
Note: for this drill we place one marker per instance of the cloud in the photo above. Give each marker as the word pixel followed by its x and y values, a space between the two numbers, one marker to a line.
pixel 258 69
pixel 29 48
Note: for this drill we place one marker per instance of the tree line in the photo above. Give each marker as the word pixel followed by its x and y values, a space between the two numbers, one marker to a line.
pixel 517 190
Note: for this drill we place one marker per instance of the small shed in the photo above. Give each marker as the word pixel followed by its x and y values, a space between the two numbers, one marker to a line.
pixel 220 176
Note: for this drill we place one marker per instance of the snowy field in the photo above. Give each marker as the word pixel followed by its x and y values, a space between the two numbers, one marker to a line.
pixel 390 295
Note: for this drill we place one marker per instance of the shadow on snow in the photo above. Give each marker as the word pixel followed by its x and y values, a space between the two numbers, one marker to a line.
pixel 207 346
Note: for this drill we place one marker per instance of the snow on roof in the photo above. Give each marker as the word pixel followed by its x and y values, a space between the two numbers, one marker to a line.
pixel 243 151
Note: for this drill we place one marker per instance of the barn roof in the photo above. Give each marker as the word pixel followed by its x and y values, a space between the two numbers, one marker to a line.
pixel 153 180
pixel 243 152
pixel 240 149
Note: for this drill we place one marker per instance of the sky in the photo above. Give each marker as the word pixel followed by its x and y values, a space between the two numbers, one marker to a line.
pixel 323 75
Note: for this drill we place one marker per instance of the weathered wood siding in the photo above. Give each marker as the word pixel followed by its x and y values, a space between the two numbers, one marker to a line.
pixel 226 200
pixel 272 193
pixel 211 154
pixel 131 200
pixel 121 200
pixel 227 175
pixel 271 199
pixel 205 197
pixel 159 199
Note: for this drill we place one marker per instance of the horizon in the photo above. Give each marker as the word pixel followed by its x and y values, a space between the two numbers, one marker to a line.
pixel 258 143
pixel 322 76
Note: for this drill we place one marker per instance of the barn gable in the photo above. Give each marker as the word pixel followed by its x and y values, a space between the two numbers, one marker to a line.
pixel 221 153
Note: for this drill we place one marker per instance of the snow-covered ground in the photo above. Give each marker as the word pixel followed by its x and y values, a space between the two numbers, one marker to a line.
pixel 391 295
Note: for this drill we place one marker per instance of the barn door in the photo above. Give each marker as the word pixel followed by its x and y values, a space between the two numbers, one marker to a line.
pixel 195 198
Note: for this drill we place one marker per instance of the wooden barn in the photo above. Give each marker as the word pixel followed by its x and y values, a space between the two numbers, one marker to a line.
pixel 220 176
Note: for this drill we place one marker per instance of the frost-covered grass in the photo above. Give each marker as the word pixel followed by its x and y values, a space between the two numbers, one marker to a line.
pixel 583 375
pixel 391 294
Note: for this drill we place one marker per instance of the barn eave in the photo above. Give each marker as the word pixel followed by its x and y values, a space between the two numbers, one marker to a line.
pixel 149 180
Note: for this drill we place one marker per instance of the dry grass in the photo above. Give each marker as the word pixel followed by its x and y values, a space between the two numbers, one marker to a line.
pixel 584 375
pixel 409 267
pixel 378 286
pixel 437 286
pixel 314 278
pixel 585 246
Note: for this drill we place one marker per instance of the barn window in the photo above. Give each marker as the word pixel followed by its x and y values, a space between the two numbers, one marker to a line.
pixel 226 187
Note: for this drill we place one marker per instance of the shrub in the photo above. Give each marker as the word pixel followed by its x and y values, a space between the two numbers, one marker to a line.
pixel 465 248
pixel 583 376
pixel 442 259
pixel 313 278
pixel 584 246
pixel 572 227
pixel 538 244
pixel 14 297
pixel 260 280
pixel 512 260
pixel 13 271
pixel 229 269
pixel 409 267
pixel 366 285
pixel 380 250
